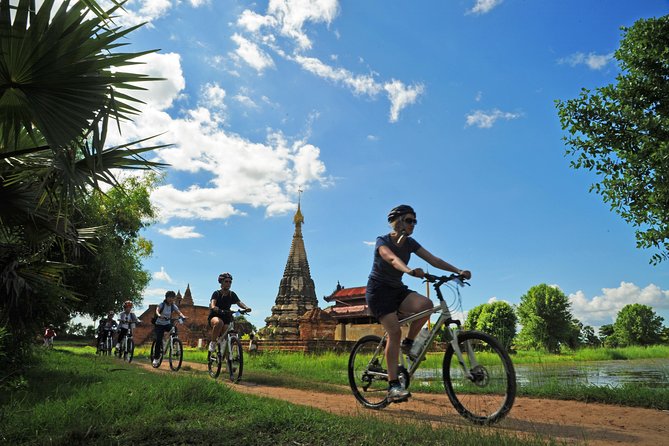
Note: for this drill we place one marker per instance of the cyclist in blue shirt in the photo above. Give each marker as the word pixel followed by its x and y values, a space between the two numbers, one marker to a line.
pixel 387 296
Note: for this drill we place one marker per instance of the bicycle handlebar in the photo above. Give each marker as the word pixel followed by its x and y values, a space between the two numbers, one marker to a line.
pixel 440 280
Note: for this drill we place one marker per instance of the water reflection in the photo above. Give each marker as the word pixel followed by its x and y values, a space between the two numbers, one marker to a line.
pixel 650 372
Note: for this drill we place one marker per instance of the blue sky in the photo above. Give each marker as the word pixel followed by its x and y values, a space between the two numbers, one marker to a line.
pixel 444 105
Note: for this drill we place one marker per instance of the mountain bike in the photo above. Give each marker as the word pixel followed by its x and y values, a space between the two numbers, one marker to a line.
pixel 477 372
pixel 228 350
pixel 105 342
pixel 126 349
pixel 173 346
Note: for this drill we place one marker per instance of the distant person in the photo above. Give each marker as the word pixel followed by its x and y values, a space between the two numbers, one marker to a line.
pixel 49 334
pixel 253 343
pixel 164 312
pixel 106 327
pixel 387 296
pixel 127 320
pixel 221 301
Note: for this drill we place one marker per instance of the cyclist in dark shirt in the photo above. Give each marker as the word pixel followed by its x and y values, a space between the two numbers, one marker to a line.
pixel 387 296
pixel 220 304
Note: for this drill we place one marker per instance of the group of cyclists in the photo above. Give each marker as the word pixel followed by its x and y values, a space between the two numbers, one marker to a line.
pixel 220 316
pixel 388 298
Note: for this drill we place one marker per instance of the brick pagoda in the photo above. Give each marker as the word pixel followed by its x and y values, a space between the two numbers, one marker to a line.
pixel 297 293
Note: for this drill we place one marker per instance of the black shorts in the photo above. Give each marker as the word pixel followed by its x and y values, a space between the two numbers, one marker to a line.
pixel 225 316
pixel 383 299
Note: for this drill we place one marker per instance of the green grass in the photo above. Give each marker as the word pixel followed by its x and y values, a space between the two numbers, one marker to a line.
pixel 327 372
pixel 73 399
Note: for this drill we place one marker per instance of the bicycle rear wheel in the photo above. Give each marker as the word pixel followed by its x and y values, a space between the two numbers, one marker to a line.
pixel 154 356
pixel 487 396
pixel 129 351
pixel 367 373
pixel 214 361
pixel 235 360
pixel 176 354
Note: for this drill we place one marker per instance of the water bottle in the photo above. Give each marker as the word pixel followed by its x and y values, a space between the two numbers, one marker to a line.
pixel 419 341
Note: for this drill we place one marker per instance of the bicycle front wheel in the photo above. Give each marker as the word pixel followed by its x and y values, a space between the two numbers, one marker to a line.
pixel 214 361
pixel 129 351
pixel 487 395
pixel 155 356
pixel 367 372
pixel 235 359
pixel 176 354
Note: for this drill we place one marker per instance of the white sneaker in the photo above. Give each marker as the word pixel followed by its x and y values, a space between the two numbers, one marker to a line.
pixel 212 346
pixel 156 363
pixel 118 346
pixel 398 394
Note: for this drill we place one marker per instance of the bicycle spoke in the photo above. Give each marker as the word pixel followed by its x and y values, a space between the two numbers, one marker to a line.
pixel 485 393
pixel 367 373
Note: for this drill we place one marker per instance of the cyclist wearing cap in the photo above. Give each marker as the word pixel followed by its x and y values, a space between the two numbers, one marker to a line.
pixel 387 296
pixel 220 303
pixel 127 319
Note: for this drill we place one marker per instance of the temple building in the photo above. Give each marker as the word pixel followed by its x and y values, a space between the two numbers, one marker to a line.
pixel 297 294
pixel 350 311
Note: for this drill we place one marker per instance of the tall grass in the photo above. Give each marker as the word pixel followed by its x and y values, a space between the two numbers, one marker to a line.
pixel 83 399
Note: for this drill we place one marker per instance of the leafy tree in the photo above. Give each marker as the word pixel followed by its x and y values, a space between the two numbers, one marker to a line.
pixel 588 337
pixel 637 324
pixel 61 82
pixel 546 319
pixel 111 274
pixel 496 318
pixel 621 132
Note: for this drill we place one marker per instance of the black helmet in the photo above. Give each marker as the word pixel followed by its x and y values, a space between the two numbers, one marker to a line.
pixel 223 276
pixel 170 294
pixel 400 210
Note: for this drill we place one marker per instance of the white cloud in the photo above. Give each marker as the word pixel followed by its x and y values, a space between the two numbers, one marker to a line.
pixel 291 15
pixel 213 96
pixel 251 53
pixel 603 309
pixel 287 18
pixel 369 243
pixel 227 170
pixel 485 120
pixel 592 60
pixel 180 232
pixel 244 100
pixel 162 275
pixel 198 3
pixel 400 96
pixel 398 93
pixel 484 6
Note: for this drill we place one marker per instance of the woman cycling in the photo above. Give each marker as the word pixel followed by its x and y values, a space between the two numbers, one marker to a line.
pixel 219 305
pixel 127 320
pixel 164 313
pixel 387 296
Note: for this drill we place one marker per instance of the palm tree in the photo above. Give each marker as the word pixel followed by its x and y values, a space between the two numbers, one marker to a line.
pixel 61 85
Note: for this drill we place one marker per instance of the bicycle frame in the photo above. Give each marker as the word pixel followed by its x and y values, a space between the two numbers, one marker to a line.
pixel 225 339
pixel 444 319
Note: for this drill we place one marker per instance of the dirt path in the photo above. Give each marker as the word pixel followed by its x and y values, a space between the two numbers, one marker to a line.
pixel 572 421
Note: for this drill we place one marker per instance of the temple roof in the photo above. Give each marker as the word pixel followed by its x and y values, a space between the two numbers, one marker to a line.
pixel 347 294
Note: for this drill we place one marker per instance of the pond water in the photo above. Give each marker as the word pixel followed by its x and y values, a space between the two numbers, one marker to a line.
pixel 651 372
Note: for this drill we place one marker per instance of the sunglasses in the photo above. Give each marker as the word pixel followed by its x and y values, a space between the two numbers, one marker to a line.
pixel 411 221
pixel 227 281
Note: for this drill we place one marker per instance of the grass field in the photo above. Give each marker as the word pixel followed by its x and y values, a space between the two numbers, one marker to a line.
pixel 70 398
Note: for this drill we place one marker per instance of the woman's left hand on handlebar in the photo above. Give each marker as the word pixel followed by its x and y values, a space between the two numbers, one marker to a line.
pixel 465 273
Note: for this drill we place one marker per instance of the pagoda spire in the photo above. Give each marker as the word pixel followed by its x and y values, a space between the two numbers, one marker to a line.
pixel 297 293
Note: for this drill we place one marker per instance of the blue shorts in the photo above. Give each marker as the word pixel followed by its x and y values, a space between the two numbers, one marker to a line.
pixel 383 299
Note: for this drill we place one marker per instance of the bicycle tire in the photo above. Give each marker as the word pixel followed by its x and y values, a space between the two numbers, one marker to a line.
pixel 176 356
pixel 370 389
pixel 153 356
pixel 235 360
pixel 129 352
pixel 214 361
pixel 489 396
